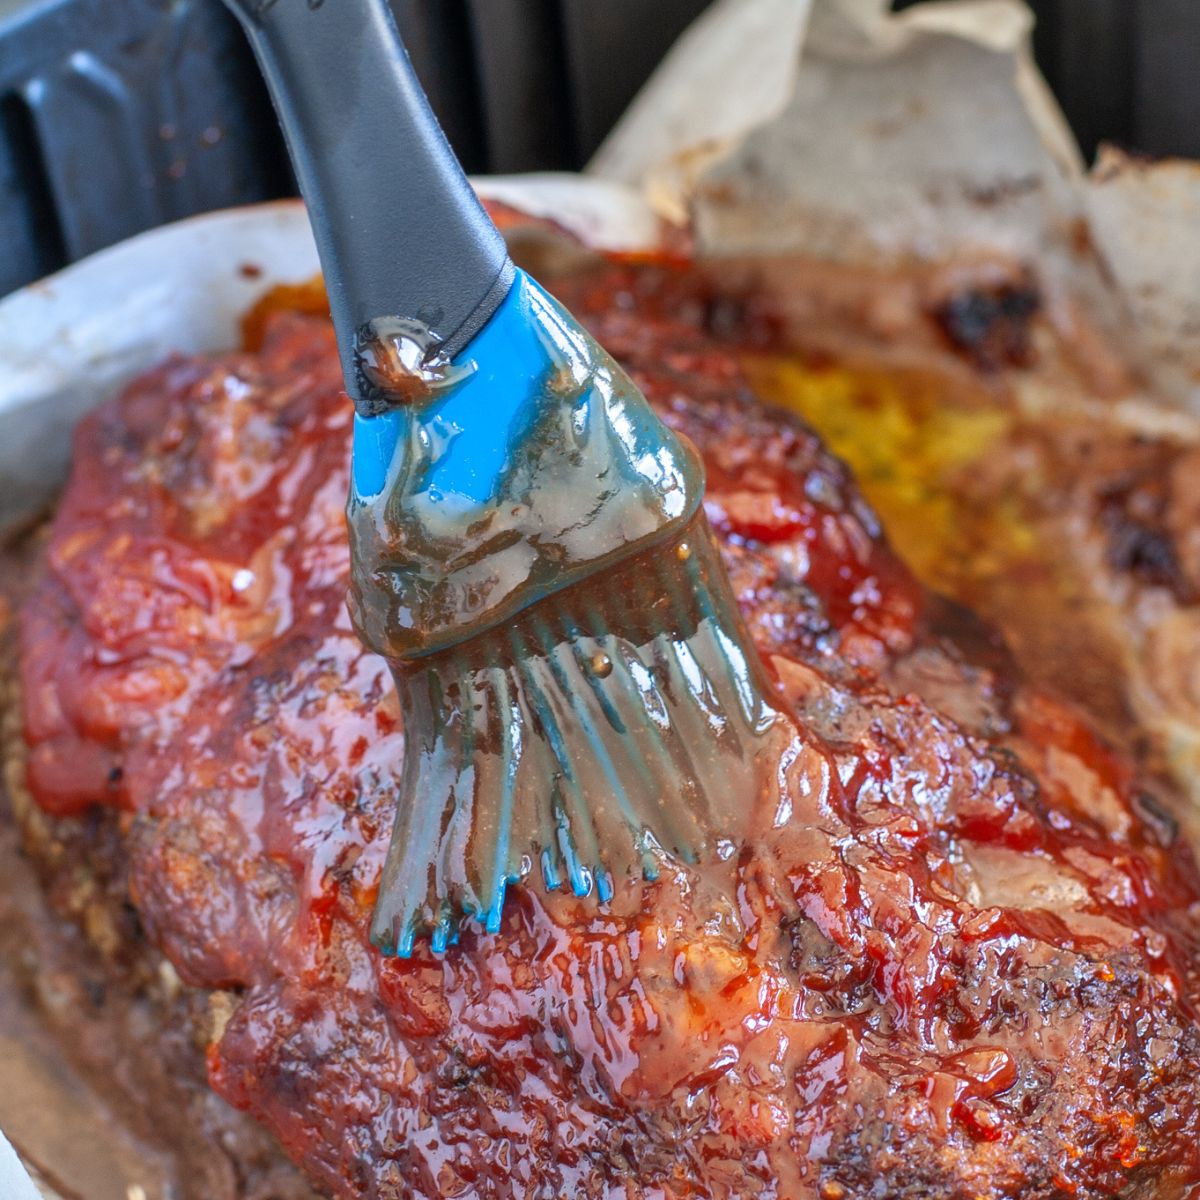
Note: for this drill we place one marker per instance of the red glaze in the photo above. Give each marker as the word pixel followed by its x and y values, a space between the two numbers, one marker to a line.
pixel 956 958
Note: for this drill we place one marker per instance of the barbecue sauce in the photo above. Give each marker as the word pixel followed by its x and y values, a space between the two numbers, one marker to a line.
pixel 949 954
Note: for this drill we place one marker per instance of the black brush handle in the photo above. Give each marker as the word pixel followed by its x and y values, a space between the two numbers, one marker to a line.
pixel 399 229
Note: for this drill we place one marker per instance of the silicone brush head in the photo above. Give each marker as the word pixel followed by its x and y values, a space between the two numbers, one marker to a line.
pixel 613 725
pixel 579 704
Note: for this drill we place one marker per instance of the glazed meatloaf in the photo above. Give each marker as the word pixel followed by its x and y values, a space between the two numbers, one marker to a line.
pixel 956 956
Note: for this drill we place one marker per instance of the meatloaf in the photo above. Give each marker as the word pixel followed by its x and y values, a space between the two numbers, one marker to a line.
pixel 956 955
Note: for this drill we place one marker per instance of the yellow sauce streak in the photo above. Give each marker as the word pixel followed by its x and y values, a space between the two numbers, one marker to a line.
pixel 910 447
pixel 925 450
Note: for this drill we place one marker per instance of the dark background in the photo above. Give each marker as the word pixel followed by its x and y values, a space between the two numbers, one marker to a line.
pixel 118 115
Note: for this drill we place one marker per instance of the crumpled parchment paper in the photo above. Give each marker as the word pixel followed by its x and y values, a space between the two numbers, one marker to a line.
pixel 841 130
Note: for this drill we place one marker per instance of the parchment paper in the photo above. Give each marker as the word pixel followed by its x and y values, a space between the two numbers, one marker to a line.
pixel 869 136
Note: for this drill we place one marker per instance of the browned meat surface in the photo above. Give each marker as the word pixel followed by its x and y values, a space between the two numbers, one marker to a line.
pixel 1020 466
pixel 956 957
pixel 101 1046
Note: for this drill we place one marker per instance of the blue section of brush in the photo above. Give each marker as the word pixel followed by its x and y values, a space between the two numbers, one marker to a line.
pixel 473 430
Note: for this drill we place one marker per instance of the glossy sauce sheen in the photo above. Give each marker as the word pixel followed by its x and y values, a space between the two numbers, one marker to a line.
pixel 954 956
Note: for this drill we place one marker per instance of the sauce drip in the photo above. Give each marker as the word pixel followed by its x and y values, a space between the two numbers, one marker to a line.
pixel 399 363
pixel 536 470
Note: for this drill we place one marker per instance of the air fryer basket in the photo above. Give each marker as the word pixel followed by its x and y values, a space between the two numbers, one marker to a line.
pixel 116 117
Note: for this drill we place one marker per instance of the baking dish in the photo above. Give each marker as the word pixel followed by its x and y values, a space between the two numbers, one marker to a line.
pixel 102 328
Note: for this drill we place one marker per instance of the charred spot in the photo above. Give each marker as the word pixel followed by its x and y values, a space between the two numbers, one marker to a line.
pixel 743 318
pixel 286 1081
pixel 822 966
pixel 1133 516
pixel 1028 1095
pixel 991 325
pixel 970 641
pixel 724 316
pixel 132 920
pixel 1162 828
pixel 1145 552
pixel 1080 235
pixel 465 1067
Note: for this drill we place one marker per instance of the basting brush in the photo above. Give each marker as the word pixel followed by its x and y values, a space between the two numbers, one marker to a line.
pixel 529 550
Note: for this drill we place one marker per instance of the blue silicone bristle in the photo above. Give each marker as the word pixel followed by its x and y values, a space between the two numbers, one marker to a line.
pixel 496 911
pixel 681 742
pixel 550 873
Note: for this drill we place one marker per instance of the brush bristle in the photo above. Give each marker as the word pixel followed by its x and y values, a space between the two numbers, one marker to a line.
pixel 616 721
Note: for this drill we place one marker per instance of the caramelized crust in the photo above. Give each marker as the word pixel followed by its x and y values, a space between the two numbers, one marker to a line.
pixel 956 956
